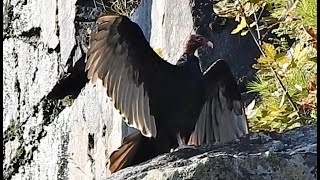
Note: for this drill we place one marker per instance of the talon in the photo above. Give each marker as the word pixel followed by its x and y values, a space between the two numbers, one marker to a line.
pixel 182 143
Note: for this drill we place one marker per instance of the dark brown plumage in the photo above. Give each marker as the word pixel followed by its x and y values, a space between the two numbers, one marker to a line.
pixel 163 101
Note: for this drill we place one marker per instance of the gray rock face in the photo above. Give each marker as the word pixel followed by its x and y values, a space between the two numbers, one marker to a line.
pixel 291 155
pixel 55 124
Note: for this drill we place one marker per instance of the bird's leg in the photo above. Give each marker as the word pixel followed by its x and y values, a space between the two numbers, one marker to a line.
pixel 182 143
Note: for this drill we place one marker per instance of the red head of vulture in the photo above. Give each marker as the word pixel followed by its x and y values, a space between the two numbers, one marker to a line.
pixel 170 105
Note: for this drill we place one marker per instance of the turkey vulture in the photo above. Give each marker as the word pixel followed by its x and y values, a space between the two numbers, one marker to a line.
pixel 170 105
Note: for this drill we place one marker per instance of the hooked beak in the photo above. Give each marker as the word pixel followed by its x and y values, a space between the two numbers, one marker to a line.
pixel 210 44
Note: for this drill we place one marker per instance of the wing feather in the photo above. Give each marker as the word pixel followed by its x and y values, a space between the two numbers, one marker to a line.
pixel 123 90
pixel 98 42
pixel 111 81
pixel 129 102
pixel 91 65
pixel 99 37
pixel 142 117
pixel 102 65
pixel 121 57
pixel 117 91
pixel 222 117
pixel 151 123
pixel 135 107
pixel 139 111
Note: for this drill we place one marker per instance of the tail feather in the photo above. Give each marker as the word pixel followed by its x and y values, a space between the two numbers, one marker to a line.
pixel 123 157
pixel 137 148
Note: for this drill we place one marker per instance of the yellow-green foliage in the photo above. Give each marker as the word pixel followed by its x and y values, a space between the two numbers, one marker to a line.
pixel 307 10
pixel 159 51
pixel 296 70
pixel 286 77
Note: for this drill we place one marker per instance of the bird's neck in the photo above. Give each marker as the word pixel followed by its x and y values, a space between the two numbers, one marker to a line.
pixel 190 47
pixel 191 63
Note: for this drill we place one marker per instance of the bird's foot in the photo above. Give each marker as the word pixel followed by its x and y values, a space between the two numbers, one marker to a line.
pixel 182 143
pixel 184 147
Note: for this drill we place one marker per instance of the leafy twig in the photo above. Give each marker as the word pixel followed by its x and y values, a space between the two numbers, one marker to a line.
pixel 281 19
pixel 284 89
pixel 269 29
pixel 271 68
pixel 260 15
pixel 257 27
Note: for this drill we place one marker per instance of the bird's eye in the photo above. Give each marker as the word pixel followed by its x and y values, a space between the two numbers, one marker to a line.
pixel 198 38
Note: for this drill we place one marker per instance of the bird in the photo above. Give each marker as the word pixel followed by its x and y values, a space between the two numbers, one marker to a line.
pixel 171 106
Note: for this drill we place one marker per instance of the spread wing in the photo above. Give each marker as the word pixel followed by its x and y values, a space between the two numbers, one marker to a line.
pixel 222 117
pixel 129 69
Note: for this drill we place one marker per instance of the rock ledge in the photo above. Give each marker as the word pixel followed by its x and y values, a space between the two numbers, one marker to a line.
pixel 291 155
